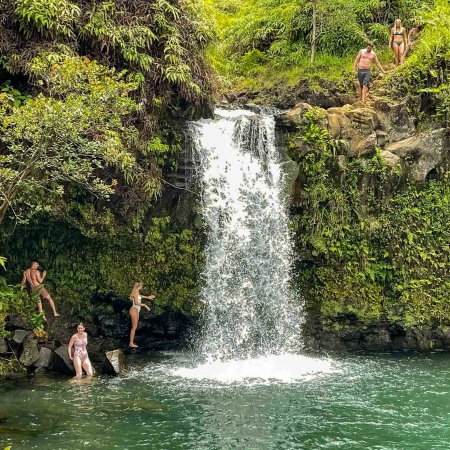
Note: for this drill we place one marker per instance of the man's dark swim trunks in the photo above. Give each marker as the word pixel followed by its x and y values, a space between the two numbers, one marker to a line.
pixel 364 77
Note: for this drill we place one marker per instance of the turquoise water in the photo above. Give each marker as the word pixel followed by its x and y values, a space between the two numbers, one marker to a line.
pixel 357 402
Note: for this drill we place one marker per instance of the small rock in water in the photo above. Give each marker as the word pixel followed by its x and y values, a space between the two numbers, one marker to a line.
pixel 114 363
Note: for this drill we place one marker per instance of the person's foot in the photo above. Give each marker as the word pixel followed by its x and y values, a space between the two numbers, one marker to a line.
pixel 44 318
pixel 56 314
pixel 133 346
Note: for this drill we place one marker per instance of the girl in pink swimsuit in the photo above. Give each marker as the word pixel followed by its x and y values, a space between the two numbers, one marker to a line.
pixel 80 356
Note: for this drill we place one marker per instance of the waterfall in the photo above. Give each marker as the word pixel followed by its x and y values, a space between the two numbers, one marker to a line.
pixel 250 307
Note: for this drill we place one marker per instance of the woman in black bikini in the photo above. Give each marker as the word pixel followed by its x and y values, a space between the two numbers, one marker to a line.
pixel 398 41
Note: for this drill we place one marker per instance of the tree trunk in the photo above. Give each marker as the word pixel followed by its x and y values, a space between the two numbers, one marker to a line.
pixel 314 30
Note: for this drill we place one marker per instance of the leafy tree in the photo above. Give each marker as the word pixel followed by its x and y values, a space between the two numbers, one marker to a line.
pixel 71 136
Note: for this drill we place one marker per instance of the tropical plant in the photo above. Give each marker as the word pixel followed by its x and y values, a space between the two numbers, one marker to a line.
pixel 60 141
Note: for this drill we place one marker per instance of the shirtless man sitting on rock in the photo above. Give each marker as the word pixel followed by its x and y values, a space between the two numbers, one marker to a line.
pixel 364 61
pixel 34 279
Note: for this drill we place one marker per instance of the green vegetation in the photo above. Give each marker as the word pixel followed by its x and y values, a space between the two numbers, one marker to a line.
pixel 424 78
pixel 380 247
pixel 264 42
pixel 88 96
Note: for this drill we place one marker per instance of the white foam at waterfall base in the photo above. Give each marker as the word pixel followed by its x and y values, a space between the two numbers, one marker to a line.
pixel 285 368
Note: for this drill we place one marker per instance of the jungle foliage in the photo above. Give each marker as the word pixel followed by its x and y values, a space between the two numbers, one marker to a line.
pixel 379 245
pixel 88 97
pixel 424 79
pixel 261 42
pixel 95 274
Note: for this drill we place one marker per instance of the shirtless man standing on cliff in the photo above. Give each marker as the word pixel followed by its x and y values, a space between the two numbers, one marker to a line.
pixel 364 61
pixel 34 279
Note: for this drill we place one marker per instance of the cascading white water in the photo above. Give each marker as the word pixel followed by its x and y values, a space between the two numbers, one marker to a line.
pixel 251 310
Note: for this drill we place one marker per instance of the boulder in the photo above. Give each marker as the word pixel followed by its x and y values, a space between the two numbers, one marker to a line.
pixel 396 120
pixel 17 322
pixel 3 346
pixel 45 359
pixel 292 118
pixel 364 118
pixel 29 352
pixel 114 363
pixel 390 158
pixel 17 339
pixel 61 361
pixel 421 153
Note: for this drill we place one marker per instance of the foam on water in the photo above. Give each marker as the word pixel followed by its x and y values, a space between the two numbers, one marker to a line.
pixel 285 368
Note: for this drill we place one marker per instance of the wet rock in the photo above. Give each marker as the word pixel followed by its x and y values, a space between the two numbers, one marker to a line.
pixel 29 352
pixel 17 339
pixel 253 107
pixel 61 361
pixel 45 358
pixel 17 322
pixel 114 363
pixel 3 346
pixel 292 118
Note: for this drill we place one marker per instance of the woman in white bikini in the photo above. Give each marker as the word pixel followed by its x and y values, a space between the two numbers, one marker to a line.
pixel 136 298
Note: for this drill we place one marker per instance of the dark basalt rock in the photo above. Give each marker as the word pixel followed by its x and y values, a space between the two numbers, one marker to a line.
pixel 17 322
pixel 29 352
pixel 17 339
pixel 45 359
pixel 3 346
pixel 61 361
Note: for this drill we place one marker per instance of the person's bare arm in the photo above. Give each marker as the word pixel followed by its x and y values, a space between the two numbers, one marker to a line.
pixel 358 57
pixel 69 348
pixel 150 297
pixel 24 280
pixel 139 303
pixel 378 64
pixel 391 38
pixel 405 37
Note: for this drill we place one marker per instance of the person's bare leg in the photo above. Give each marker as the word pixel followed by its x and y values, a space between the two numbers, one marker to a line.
pixel 364 93
pixel 41 310
pixel 78 369
pixel 397 54
pixel 87 368
pixel 52 304
pixel 134 313
pixel 402 53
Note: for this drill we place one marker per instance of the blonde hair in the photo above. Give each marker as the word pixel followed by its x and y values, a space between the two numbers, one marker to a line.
pixel 135 288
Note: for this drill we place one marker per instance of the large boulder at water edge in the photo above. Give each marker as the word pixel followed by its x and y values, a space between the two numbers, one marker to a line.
pixel 29 352
pixel 114 363
pixel 61 361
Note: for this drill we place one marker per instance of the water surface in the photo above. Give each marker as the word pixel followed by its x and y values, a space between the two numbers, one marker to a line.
pixel 353 402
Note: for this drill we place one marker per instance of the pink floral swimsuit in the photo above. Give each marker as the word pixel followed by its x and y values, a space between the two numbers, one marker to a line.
pixel 80 349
